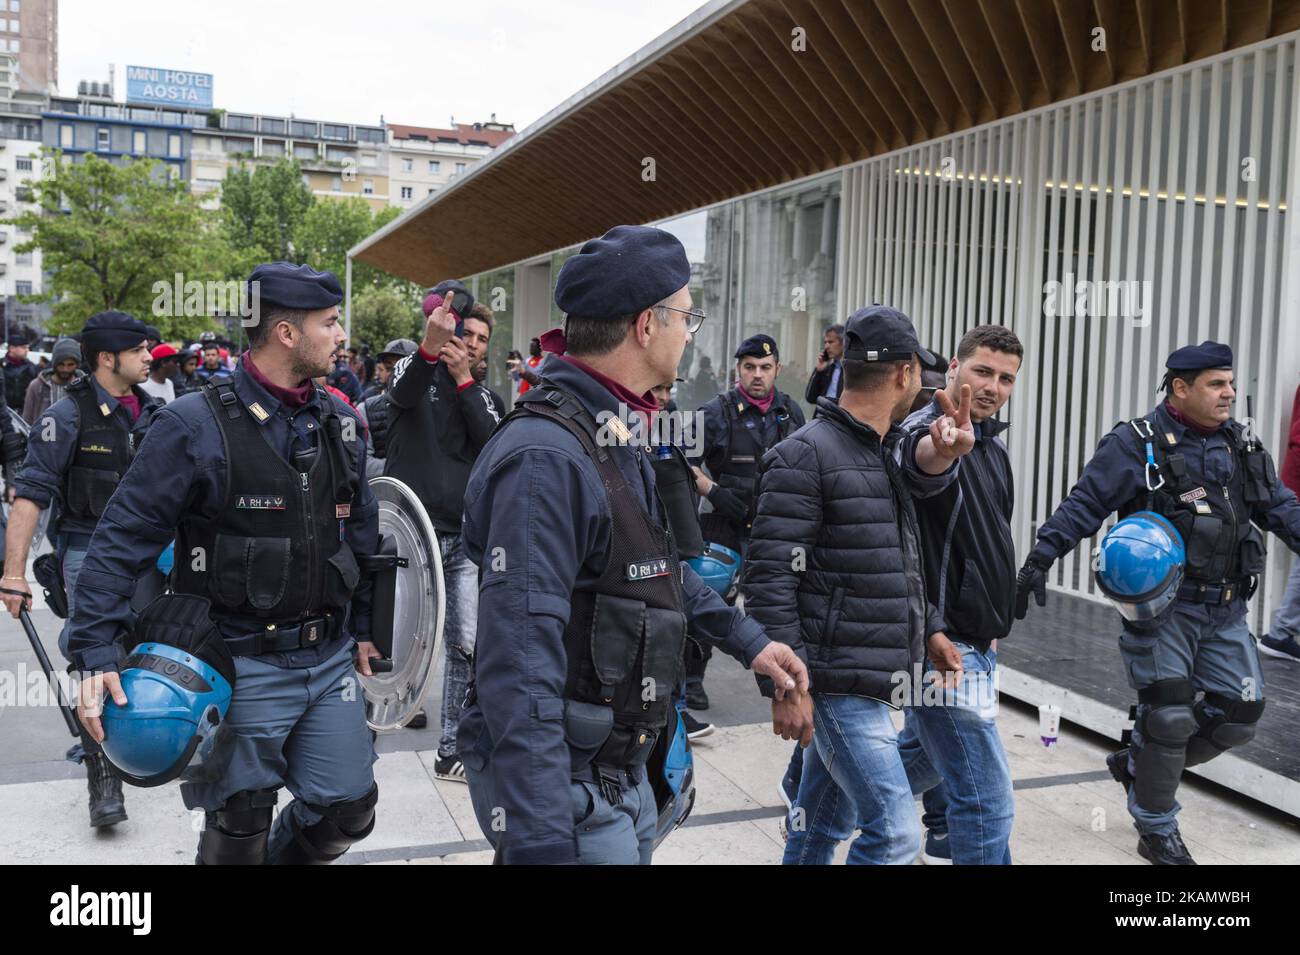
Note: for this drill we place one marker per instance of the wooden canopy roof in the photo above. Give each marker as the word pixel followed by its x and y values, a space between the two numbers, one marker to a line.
pixel 746 94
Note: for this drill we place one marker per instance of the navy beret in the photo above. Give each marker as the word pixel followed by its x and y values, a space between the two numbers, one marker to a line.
pixel 113 331
pixel 1195 357
pixel 624 272
pixel 298 287
pixel 760 346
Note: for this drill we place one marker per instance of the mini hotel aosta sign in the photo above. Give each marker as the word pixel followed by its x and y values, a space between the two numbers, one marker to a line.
pixel 147 84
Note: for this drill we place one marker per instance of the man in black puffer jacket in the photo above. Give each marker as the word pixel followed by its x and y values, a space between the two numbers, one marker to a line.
pixel 835 571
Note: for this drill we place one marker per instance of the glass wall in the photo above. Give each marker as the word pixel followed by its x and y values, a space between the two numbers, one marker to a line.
pixel 764 263
pixel 496 290
pixel 786 284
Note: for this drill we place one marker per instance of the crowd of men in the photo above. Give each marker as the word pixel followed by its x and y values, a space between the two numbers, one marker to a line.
pixel 581 605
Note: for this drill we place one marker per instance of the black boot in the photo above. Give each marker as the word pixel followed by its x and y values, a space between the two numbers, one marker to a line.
pixel 696 698
pixel 1164 850
pixel 1117 763
pixel 107 805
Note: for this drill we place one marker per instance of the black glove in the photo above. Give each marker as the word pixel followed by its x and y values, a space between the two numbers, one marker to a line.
pixel 1032 577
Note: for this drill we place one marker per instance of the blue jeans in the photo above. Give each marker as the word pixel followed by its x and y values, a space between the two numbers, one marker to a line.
pixel 1286 619
pixel 459 630
pixel 952 750
pixel 853 778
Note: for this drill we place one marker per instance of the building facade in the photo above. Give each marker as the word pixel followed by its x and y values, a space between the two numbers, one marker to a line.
pixel 1105 229
pixel 338 160
pixel 93 122
pixel 424 160
pixel 29 29
pixel 20 161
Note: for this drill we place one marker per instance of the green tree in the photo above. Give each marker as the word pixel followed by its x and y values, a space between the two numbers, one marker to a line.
pixel 262 211
pixel 109 234
pixel 329 229
pixel 381 314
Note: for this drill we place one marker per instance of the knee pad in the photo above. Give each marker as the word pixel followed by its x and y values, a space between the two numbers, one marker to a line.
pixel 236 833
pixel 1233 726
pixel 1167 722
pixel 321 842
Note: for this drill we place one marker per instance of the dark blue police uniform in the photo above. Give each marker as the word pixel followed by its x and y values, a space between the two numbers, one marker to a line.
pixel 539 524
pixel 298 713
pixel 1220 495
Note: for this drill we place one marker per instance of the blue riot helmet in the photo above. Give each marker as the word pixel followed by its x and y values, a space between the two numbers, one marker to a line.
pixel 671 768
pixel 178 682
pixel 1139 565
pixel 717 567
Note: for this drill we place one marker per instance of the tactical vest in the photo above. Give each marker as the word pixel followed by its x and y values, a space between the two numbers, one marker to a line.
pixel 1214 519
pixel 625 639
pixel 274 551
pixel 377 421
pixel 104 449
pixel 738 470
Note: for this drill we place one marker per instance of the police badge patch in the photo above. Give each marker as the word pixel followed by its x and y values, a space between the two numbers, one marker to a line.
pixel 1193 495
pixel 643 569
pixel 260 502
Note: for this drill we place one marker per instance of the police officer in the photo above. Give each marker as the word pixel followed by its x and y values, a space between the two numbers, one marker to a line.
pixel 259 478
pixel 1190 462
pixel 78 451
pixel 739 427
pixel 584 604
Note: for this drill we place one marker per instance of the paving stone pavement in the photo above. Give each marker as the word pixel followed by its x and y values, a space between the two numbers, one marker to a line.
pixel 1068 810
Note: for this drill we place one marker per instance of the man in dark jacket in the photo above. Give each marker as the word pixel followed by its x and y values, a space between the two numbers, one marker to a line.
pixel 970 575
pixel 78 452
pixel 828 379
pixel 835 571
pixel 343 378
pixel 49 385
pixel 740 425
pixel 186 380
pixel 19 372
pixel 373 412
pixel 439 418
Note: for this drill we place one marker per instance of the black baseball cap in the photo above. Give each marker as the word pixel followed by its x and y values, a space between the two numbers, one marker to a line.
pixel 881 333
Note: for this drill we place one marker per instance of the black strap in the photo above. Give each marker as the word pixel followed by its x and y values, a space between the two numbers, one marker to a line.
pixel 314 632
pixel 1215 594
pixel 224 391
pixel 1167 693
pixel 566 411
pixel 1235 709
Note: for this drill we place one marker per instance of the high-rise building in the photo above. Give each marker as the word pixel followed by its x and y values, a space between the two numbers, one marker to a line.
pixel 423 160
pixel 20 162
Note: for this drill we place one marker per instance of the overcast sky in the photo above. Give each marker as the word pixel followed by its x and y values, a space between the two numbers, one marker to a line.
pixel 413 61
